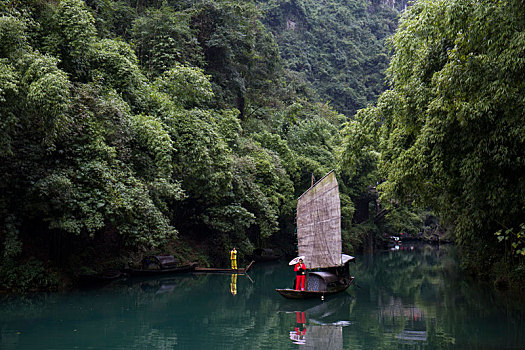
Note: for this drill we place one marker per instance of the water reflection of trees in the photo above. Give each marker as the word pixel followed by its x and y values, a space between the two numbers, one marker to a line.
pixel 192 311
pixel 134 314
pixel 423 301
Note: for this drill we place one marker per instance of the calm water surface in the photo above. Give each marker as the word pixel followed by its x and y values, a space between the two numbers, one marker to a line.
pixel 406 299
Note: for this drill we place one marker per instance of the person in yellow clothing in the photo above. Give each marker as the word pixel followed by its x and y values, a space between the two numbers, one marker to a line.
pixel 233 258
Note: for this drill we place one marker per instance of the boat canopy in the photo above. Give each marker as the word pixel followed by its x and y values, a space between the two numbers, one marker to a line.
pixel 319 224
pixel 328 277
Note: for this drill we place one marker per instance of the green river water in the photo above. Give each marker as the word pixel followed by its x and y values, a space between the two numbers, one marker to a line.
pixel 415 298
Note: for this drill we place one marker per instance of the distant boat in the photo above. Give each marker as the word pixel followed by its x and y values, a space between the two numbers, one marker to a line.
pixel 155 265
pixel 319 240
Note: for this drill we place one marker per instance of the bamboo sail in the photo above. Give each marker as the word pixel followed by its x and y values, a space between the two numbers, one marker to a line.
pixel 319 224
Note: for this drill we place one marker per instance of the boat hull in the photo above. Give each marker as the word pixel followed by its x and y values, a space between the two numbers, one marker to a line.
pixel 310 294
pixel 158 272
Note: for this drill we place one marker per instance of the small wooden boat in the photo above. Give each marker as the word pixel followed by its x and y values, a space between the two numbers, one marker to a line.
pixel 223 270
pixel 320 243
pixel 161 265
pixel 167 271
pixel 328 284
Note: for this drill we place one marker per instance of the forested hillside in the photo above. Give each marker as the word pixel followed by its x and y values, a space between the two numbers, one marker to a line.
pixel 183 127
pixel 338 47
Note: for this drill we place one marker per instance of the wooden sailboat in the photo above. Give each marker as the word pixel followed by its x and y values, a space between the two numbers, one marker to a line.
pixel 319 241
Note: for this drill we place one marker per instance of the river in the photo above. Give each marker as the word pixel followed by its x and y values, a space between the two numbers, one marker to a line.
pixel 411 298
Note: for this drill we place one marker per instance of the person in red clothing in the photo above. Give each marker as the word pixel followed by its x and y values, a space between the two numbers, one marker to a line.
pixel 300 270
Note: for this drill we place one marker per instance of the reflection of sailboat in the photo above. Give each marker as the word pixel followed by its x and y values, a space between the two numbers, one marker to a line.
pixel 297 335
pixel 326 330
pixel 323 337
pixel 319 238
pixel 333 312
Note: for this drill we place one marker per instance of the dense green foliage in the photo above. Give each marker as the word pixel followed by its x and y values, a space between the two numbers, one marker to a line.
pixel 150 126
pixel 451 127
pixel 336 46
pixel 188 127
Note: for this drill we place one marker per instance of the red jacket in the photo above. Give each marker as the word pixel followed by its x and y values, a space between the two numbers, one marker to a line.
pixel 300 269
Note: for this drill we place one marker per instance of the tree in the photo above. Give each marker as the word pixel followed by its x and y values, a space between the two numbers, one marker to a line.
pixel 164 38
pixel 452 131
pixel 240 55
pixel 71 36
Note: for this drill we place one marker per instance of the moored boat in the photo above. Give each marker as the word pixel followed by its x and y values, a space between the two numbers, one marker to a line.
pixel 161 265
